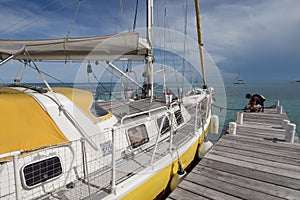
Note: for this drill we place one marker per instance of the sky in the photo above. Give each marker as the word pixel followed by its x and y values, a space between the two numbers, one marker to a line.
pixel 257 39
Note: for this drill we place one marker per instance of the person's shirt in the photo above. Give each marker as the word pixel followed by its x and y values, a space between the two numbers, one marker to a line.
pixel 257 100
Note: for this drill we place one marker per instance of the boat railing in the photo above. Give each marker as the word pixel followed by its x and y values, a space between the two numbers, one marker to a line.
pixel 158 137
pixel 143 113
pixel 22 171
pixel 17 181
pixel 202 112
pixel 82 162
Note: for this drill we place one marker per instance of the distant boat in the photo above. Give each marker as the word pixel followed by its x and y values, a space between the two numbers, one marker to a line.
pixel 238 80
pixel 298 81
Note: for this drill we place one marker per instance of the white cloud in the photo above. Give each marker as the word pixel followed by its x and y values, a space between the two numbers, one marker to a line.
pixel 241 25
pixel 235 32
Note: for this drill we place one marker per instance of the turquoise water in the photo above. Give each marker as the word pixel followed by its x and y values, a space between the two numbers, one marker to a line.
pixel 234 98
pixel 287 93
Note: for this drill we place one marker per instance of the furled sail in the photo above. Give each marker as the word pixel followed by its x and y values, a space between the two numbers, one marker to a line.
pixel 111 47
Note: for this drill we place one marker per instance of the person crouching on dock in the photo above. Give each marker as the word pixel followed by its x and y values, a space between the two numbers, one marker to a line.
pixel 256 103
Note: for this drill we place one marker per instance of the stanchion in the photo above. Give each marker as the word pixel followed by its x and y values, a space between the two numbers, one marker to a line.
pixel 290 133
pixel 232 128
pixel 279 109
pixel 240 117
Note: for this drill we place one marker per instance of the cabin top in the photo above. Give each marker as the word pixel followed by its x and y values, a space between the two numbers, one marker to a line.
pixel 24 123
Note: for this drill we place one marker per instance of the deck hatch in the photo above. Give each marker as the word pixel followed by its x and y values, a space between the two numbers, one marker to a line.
pixel 41 171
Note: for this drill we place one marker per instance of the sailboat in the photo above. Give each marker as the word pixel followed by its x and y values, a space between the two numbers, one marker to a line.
pixel 62 143
pixel 238 80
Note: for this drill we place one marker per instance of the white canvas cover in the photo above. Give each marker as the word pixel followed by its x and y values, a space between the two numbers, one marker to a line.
pixel 110 47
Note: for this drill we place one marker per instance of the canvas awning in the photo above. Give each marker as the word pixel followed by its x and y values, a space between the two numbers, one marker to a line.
pixel 25 124
pixel 110 47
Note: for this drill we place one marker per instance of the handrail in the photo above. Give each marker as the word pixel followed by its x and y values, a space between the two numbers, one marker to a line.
pixel 6 60
pixel 10 154
pixel 17 177
pixel 157 139
pixel 113 161
pixel 174 103
pixel 15 155
pixel 85 165
pixel 196 118
pixel 71 119
pixel 144 112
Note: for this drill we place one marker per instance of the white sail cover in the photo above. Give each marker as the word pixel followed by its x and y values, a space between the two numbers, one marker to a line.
pixel 111 47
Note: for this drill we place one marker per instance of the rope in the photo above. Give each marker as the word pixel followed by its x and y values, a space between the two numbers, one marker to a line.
pixel 238 109
pixel 225 108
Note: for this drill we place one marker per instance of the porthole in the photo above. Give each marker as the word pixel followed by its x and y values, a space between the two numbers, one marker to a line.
pixel 138 135
pixel 41 171
pixel 179 117
pixel 166 125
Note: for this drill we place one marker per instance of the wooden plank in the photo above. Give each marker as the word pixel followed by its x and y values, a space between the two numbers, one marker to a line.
pixel 185 194
pixel 248 172
pixel 262 126
pixel 248 182
pixel 235 190
pixel 267 149
pixel 203 191
pixel 259 161
pixel 254 164
pixel 244 127
pixel 266 136
pixel 275 145
pixel 259 154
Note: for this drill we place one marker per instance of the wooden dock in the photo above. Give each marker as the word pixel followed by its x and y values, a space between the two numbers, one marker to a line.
pixel 256 163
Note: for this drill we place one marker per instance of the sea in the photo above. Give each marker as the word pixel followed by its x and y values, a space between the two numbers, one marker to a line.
pixel 229 98
pixel 288 94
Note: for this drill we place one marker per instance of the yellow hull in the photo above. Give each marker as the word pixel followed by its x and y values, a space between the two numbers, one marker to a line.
pixel 159 182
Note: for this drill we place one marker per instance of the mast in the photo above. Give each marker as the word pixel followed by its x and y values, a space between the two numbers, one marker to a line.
pixel 200 42
pixel 148 86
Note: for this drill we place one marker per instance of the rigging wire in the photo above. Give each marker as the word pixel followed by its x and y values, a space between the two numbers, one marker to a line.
pixel 25 18
pixel 184 42
pixel 135 14
pixel 127 17
pixel 37 19
pixel 16 79
pixel 120 16
pixel 46 74
pixel 91 71
pixel 165 33
pixel 74 17
pixel 166 26
pixel 120 22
